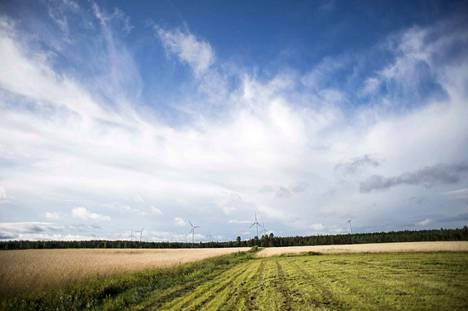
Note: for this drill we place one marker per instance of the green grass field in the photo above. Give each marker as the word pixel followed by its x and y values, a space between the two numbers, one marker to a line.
pixel 413 281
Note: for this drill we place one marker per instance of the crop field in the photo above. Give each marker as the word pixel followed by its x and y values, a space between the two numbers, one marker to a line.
pixel 384 282
pixel 244 281
pixel 446 246
pixel 32 270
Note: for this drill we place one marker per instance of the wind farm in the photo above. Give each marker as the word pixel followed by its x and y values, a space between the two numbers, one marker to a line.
pixel 233 155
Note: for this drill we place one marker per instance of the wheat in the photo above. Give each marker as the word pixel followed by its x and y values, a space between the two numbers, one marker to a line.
pixel 31 270
pixel 369 248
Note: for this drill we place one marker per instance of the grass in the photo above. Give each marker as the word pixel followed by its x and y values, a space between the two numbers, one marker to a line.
pixel 390 281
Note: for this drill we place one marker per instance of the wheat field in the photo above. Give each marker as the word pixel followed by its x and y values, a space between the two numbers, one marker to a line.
pixel 38 269
pixel 449 246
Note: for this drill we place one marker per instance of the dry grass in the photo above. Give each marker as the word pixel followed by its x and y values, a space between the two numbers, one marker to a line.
pixel 31 270
pixel 369 248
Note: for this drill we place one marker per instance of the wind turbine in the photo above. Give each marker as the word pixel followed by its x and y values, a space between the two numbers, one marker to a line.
pixel 350 228
pixel 131 235
pixel 255 223
pixel 192 230
pixel 141 233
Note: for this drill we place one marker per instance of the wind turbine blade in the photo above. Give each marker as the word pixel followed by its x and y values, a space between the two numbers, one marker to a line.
pixel 190 223
pixel 252 225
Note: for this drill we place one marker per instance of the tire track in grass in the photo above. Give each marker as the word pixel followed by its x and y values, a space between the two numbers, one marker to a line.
pixel 206 290
pixel 162 295
pixel 364 289
pixel 327 298
pixel 257 285
pixel 219 294
pixel 237 295
pixel 294 278
pixel 355 278
pixel 268 298
pixel 284 290
pixel 158 297
pixel 249 295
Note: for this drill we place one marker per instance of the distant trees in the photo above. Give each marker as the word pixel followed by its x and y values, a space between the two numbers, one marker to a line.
pixel 267 240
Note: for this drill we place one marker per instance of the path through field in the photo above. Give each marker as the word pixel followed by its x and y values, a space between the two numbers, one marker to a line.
pixel 327 282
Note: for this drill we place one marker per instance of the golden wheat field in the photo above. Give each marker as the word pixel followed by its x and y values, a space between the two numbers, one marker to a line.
pixel 31 270
pixel 369 248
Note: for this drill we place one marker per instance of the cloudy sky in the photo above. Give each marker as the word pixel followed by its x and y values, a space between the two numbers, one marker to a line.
pixel 117 116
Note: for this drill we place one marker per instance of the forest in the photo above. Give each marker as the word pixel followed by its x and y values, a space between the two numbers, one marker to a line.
pixel 267 240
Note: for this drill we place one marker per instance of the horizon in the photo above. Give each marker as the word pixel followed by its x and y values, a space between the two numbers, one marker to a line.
pixel 117 116
pixel 261 237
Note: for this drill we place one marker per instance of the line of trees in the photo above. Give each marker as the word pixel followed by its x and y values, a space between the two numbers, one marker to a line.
pixel 268 240
pixel 374 237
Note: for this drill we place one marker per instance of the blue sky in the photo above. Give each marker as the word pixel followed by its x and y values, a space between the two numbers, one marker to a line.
pixel 117 116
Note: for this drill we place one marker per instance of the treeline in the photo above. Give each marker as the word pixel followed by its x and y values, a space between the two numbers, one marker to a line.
pixel 264 241
pixel 110 244
pixel 374 237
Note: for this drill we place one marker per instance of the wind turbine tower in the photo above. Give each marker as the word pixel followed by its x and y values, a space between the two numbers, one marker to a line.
pixel 350 228
pixel 255 223
pixel 192 230
pixel 141 233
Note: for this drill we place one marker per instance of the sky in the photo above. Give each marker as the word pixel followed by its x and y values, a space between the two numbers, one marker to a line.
pixel 118 116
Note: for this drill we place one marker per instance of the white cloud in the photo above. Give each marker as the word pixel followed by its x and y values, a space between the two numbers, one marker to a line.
pixel 52 215
pixel 179 222
pixel 3 194
pixel 212 167
pixel 29 74
pixel 235 221
pixel 457 194
pixel 371 86
pixel 424 222
pixel 317 227
pixel 84 214
pixel 197 53
pixel 155 210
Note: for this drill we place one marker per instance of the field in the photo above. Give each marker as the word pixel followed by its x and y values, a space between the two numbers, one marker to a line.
pixel 246 281
pixel 459 246
pixel 357 281
pixel 32 270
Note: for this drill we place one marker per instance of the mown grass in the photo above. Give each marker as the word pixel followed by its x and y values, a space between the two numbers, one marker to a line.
pixel 336 282
pixel 391 281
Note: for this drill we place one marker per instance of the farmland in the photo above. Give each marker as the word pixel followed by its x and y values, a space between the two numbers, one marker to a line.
pixel 356 281
pixel 245 281
pixel 448 246
pixel 32 270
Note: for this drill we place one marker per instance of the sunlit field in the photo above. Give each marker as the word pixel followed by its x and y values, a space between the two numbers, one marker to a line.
pixel 446 246
pixel 244 281
pixel 33 270
pixel 233 155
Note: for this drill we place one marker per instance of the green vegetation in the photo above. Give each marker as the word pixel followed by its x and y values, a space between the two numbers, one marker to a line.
pixel 264 241
pixel 388 281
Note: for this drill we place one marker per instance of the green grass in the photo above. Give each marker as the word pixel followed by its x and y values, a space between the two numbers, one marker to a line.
pixel 409 281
